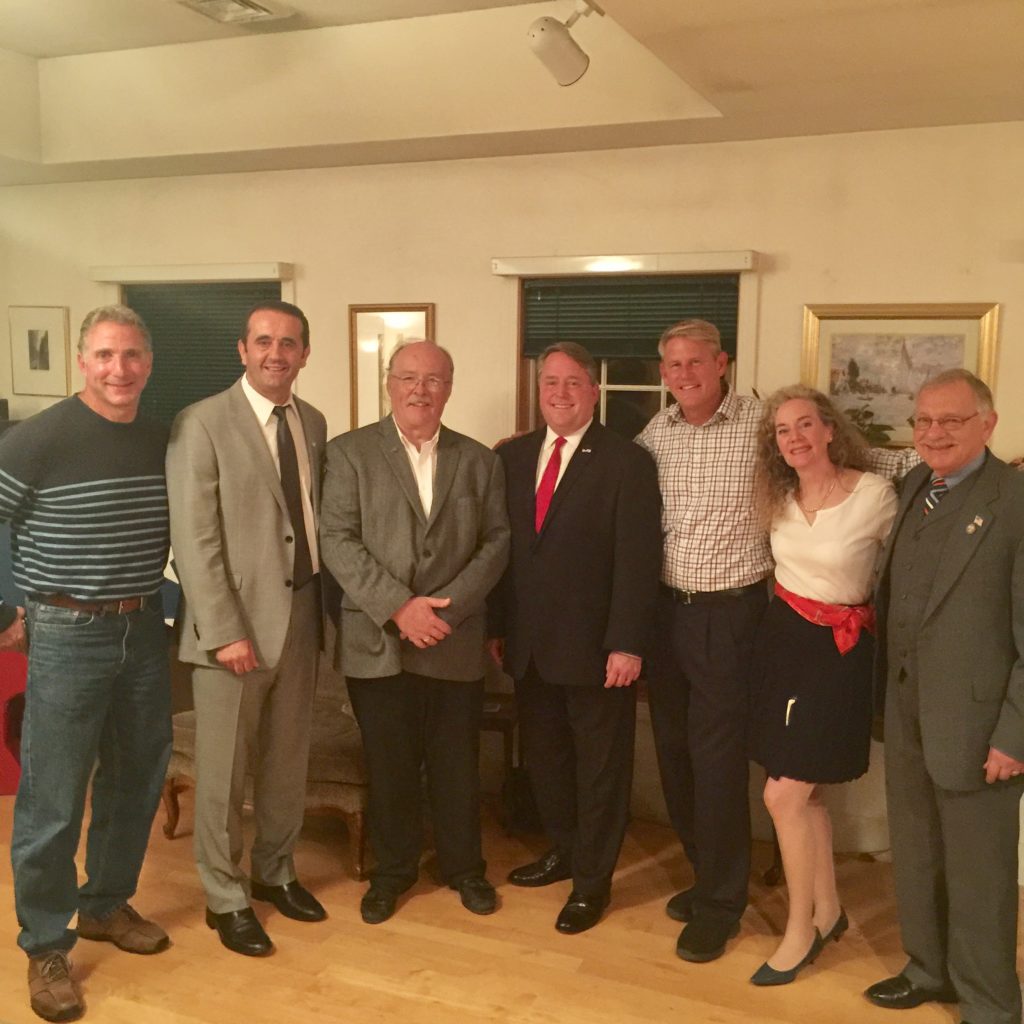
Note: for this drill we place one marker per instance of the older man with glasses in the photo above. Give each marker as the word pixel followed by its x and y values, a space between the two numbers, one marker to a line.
pixel 414 529
pixel 951 627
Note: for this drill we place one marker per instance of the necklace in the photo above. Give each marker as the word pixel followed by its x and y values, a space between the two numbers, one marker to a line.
pixel 824 501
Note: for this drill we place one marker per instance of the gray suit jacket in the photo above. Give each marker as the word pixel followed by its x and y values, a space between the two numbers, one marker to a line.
pixel 229 524
pixel 970 646
pixel 382 549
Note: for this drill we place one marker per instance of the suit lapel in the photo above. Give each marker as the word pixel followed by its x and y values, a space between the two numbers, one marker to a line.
pixel 394 455
pixel 448 456
pixel 974 519
pixel 250 434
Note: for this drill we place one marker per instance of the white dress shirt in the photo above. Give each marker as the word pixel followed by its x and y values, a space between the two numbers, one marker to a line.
pixel 264 409
pixel 424 466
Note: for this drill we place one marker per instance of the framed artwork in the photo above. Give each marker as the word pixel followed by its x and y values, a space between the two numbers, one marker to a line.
pixel 40 352
pixel 871 359
pixel 374 331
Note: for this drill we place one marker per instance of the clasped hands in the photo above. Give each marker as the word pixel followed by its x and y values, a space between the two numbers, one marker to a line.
pixel 418 624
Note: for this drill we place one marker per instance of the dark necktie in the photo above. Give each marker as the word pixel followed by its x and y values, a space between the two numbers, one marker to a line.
pixel 302 571
pixel 937 490
pixel 548 480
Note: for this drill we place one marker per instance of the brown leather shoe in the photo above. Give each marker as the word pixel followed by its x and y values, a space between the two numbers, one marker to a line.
pixel 53 993
pixel 126 929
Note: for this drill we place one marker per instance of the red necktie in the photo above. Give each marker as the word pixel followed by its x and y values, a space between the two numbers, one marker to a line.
pixel 547 484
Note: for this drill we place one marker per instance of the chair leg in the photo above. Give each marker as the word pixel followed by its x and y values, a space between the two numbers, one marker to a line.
pixel 356 823
pixel 169 797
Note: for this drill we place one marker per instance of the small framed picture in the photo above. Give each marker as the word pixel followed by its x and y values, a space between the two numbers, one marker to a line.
pixel 872 359
pixel 40 350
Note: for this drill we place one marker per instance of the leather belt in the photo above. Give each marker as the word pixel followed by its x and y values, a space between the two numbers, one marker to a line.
pixel 124 606
pixel 713 596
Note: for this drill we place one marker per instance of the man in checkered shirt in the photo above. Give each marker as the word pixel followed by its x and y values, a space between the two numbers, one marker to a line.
pixel 713 594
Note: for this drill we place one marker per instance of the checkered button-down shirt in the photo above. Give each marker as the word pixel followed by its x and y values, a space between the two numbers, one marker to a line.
pixel 714 537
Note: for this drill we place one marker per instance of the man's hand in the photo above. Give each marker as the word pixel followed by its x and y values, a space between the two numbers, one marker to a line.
pixel 13 637
pixel 237 656
pixel 418 624
pixel 496 649
pixel 622 669
pixel 999 767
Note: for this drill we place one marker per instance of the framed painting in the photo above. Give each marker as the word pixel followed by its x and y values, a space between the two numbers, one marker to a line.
pixel 871 359
pixel 40 351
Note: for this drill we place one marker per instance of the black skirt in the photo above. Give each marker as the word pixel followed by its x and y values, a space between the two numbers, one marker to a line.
pixel 811 718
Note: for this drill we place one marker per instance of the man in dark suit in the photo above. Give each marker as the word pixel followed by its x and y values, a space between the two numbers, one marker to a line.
pixel 415 531
pixel 951 616
pixel 571 620
pixel 243 479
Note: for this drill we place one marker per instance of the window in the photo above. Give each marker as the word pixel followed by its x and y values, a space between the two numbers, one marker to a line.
pixel 618 319
pixel 195 329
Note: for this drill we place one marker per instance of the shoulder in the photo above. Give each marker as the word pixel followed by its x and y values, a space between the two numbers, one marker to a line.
pixel 466 445
pixel 210 407
pixel 310 412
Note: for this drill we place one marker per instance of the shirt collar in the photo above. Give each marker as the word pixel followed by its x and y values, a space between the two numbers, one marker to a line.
pixel 573 439
pixel 261 405
pixel 425 446
pixel 957 478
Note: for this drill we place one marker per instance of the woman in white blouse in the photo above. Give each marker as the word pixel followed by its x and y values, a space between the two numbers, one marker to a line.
pixel 813 660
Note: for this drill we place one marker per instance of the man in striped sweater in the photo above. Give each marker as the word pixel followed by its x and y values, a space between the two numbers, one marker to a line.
pixel 82 485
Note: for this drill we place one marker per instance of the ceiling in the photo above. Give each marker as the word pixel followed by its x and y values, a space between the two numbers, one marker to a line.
pixel 662 72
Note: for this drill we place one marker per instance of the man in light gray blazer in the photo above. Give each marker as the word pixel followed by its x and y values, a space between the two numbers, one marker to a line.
pixel 243 479
pixel 414 529
pixel 951 621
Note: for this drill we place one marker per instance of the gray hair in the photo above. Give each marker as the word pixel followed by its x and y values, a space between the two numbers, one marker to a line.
pixel 114 315
pixel 577 353
pixel 982 392
pixel 421 341
pixel 700 330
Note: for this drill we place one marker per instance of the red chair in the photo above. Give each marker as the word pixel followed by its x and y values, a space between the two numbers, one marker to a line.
pixel 13 671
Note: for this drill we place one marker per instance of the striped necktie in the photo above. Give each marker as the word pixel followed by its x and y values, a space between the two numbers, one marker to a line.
pixel 937 490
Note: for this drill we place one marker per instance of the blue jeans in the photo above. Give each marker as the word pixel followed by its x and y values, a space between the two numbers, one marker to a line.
pixel 98 694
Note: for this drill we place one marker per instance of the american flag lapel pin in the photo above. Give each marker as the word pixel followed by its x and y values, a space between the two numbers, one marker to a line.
pixel 978 522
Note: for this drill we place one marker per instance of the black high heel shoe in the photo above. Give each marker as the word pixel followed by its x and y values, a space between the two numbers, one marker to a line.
pixel 768 975
pixel 836 932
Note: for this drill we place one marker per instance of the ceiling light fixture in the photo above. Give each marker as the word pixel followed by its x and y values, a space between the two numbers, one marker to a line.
pixel 553 44
pixel 239 12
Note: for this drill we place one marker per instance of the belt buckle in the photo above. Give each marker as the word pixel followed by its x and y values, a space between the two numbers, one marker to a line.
pixel 687 596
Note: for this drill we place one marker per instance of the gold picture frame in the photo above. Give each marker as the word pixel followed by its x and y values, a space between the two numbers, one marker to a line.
pixel 374 331
pixel 871 359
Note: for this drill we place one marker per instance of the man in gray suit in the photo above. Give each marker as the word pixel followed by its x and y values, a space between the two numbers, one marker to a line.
pixel 243 475
pixel 951 616
pixel 414 529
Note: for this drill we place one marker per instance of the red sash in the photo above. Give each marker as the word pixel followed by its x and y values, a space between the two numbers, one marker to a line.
pixel 846 620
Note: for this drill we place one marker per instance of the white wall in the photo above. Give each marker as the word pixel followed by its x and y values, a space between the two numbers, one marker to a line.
pixel 927 215
pixel 924 215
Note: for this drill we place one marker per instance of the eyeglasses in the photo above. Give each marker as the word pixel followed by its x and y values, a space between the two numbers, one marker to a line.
pixel 410 380
pixel 950 423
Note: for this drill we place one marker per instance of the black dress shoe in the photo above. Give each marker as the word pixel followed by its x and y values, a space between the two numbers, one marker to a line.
pixel 552 867
pixel 477 895
pixel 580 913
pixel 241 932
pixel 900 993
pixel 704 939
pixel 292 899
pixel 377 904
pixel 680 907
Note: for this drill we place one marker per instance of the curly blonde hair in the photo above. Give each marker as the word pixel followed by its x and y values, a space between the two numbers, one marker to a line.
pixel 774 480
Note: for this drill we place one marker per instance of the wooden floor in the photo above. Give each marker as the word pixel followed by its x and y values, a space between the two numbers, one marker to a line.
pixel 435 963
